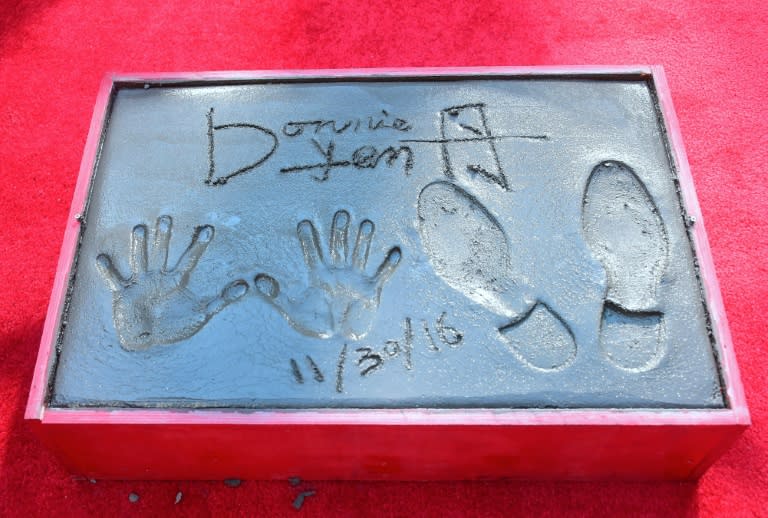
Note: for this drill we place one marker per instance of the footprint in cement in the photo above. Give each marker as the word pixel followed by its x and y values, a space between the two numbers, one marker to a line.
pixel 468 249
pixel 541 339
pixel 624 231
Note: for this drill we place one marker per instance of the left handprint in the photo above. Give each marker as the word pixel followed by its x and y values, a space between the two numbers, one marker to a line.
pixel 153 306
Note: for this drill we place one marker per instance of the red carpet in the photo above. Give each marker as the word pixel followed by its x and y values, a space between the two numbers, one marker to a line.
pixel 53 55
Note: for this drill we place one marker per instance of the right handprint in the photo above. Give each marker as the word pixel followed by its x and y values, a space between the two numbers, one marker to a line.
pixel 624 230
pixel 342 299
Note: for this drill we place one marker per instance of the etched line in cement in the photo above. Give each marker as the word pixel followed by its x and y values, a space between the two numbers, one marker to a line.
pixel 212 178
pixel 460 127
pixel 367 355
pixel 448 335
pixel 316 372
pixel 432 345
pixel 340 369
pixel 364 157
pixel 298 375
pixel 408 345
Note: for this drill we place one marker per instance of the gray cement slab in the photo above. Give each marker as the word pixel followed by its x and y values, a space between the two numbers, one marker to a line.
pixel 473 242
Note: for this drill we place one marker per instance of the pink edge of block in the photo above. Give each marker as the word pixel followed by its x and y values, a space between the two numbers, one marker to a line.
pixel 245 75
pixel 402 417
pixel 724 343
pixel 737 414
pixel 45 357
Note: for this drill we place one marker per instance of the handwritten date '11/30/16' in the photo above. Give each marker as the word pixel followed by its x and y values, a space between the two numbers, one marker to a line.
pixel 367 359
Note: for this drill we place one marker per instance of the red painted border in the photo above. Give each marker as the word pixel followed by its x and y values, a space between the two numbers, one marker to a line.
pixel 381 452
pixel 715 428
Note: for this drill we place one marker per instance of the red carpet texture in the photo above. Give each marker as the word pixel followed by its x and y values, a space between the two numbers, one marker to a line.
pixel 54 53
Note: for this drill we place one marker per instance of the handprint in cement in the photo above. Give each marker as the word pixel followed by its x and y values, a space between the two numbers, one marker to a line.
pixel 342 298
pixel 153 305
